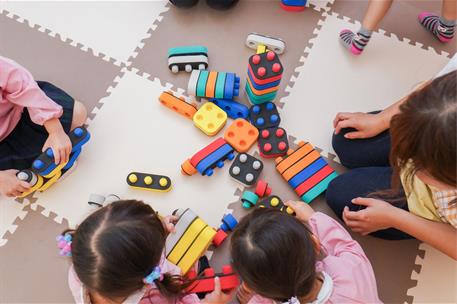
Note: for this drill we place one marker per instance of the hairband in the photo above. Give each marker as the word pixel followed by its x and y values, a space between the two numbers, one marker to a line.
pixel 64 244
pixel 154 275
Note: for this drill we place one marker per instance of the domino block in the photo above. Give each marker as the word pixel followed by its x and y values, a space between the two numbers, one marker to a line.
pixel 293 5
pixel 241 135
pixel 212 84
pixel 210 119
pixel 205 283
pixel 254 40
pixel 249 199
pixel 273 142
pixel 265 68
pixel 229 222
pixel 191 239
pixel 36 181
pixel 264 116
pixel 151 182
pixel 187 58
pixel 233 109
pixel 178 104
pixel 246 169
pixel 262 188
pixel 208 158
pixel 305 171
pixel 275 202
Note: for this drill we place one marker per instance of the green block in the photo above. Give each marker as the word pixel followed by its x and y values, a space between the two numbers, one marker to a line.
pixel 187 50
pixel 255 99
pixel 318 189
pixel 201 84
pixel 220 85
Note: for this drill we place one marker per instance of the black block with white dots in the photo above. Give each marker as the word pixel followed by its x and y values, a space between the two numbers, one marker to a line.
pixel 246 169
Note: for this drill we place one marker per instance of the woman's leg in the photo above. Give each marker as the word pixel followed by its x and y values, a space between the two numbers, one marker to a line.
pixel 184 3
pixel 360 183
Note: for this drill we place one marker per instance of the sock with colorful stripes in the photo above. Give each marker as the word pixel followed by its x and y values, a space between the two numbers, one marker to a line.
pixel 355 42
pixel 443 29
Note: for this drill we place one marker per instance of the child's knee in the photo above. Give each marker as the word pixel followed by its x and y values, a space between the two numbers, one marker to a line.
pixel 79 115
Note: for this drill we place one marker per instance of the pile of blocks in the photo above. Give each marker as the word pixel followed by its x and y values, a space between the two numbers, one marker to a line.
pixel 213 84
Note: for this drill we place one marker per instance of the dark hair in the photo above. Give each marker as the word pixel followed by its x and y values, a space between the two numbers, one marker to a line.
pixel 274 254
pixel 423 134
pixel 117 246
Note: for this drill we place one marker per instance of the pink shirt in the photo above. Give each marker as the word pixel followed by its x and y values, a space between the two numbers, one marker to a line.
pixel 18 90
pixel 143 296
pixel 348 272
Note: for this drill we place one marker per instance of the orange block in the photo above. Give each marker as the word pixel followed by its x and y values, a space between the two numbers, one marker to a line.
pixel 179 105
pixel 241 135
pixel 300 165
pixel 283 163
pixel 261 92
pixel 211 84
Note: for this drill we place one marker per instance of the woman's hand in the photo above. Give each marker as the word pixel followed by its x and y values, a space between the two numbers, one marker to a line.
pixel 366 125
pixel 169 222
pixel 376 216
pixel 10 185
pixel 218 296
pixel 302 210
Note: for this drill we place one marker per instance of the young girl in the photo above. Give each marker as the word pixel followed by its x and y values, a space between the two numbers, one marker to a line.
pixel 33 117
pixel 442 27
pixel 117 255
pixel 282 259
pixel 410 147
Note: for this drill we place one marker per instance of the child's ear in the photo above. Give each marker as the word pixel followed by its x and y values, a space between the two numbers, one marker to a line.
pixel 317 244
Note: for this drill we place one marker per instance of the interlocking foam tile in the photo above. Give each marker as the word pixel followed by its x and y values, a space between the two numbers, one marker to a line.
pixel 11 211
pixel 224 33
pixel 114 29
pixel 401 21
pixel 432 286
pixel 31 270
pixel 392 261
pixel 320 4
pixel 332 80
pixel 80 73
pixel 134 132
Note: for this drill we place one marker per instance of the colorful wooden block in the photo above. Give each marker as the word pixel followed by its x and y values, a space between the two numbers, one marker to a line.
pixel 151 182
pixel 241 135
pixel 246 169
pixel 204 283
pixel 264 116
pixel 273 142
pixel 233 109
pixel 210 118
pixel 178 104
pixel 275 202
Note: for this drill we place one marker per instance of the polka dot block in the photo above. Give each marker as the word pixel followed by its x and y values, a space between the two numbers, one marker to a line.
pixel 246 169
pixel 241 135
pixel 275 202
pixel 264 116
pixel 146 181
pixel 273 142
pixel 210 119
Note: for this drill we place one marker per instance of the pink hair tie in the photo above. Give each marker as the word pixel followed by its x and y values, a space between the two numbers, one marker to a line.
pixel 64 244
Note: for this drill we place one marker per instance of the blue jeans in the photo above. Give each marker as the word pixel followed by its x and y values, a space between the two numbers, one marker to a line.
pixel 370 171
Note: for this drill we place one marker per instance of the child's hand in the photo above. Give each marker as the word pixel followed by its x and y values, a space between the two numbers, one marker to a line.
pixel 302 210
pixel 366 125
pixel 169 222
pixel 244 294
pixel 60 144
pixel 10 185
pixel 218 296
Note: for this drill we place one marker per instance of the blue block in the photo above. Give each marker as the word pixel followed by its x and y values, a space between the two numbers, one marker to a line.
pixel 73 156
pixel 294 2
pixel 228 222
pixel 212 160
pixel 306 173
pixel 80 136
pixel 263 86
pixel 233 109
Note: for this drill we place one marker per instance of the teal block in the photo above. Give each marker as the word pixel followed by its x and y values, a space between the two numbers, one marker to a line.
pixel 318 189
pixel 220 85
pixel 259 99
pixel 187 50
pixel 201 84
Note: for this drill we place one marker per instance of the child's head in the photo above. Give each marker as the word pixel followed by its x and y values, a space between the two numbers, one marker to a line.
pixel 117 246
pixel 424 132
pixel 274 254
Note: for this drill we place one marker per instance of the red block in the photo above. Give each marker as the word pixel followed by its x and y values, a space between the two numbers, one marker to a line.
pixel 205 282
pixel 313 180
pixel 207 151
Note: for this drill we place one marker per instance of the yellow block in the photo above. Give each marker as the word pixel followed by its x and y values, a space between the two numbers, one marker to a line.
pixel 197 249
pixel 50 181
pixel 261 49
pixel 35 187
pixel 55 171
pixel 186 241
pixel 210 119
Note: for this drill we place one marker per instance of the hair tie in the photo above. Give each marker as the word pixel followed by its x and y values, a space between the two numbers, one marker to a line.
pixel 154 275
pixel 64 244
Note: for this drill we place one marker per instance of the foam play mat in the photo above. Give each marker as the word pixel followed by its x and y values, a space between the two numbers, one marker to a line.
pixel 113 58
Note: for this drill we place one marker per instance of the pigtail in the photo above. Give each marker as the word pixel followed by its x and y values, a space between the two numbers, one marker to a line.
pixel 170 286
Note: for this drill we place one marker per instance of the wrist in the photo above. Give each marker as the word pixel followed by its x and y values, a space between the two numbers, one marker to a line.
pixel 53 126
pixel 395 216
pixel 383 119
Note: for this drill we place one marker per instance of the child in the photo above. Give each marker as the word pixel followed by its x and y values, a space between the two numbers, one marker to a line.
pixel 442 27
pixel 216 4
pixel 50 114
pixel 281 259
pixel 118 257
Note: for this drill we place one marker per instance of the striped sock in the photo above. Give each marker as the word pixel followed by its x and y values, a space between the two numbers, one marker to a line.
pixel 443 29
pixel 355 43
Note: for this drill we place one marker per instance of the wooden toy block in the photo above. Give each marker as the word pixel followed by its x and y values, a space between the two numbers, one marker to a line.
pixel 187 58
pixel 220 85
pixel 229 222
pixel 204 283
pixel 260 92
pixel 213 84
pixel 249 199
pixel 210 119
pixel 78 137
pixel 185 218
pixel 293 5
pixel 262 188
pixel 300 165
pixel 197 249
pixel 283 163
pixel 314 180
pixel 265 68
pixel 35 181
pixel 72 159
pixel 187 239
pixel 100 201
pixel 246 169
pixel 262 86
pixel 178 104
pixel 151 182
pixel 275 202
pixel 264 116
pixel 233 109
pixel 273 142
pixel 314 192
pixel 254 40
pixel 48 182
pixel 241 135
pixel 259 99
pixel 219 238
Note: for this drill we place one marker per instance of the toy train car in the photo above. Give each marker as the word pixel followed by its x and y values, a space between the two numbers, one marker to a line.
pixel 187 58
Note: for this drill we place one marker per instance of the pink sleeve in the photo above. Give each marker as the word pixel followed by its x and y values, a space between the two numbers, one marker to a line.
pixel 75 285
pixel 20 88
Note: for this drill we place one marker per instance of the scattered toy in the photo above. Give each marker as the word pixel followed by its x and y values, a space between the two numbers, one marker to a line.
pixel 146 181
pixel 99 201
pixel 293 5
pixel 273 142
pixel 262 188
pixel 264 116
pixel 249 199
pixel 210 119
pixel 275 202
pixel 229 222
pixel 233 109
pixel 254 41
pixel 178 104
pixel 241 135
pixel 187 58
pixel 219 85
pixel 35 181
pixel 219 238
pixel 246 169
pixel 204 283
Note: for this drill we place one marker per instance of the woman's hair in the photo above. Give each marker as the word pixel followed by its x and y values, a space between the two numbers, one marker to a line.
pixel 117 246
pixel 423 134
pixel 274 254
